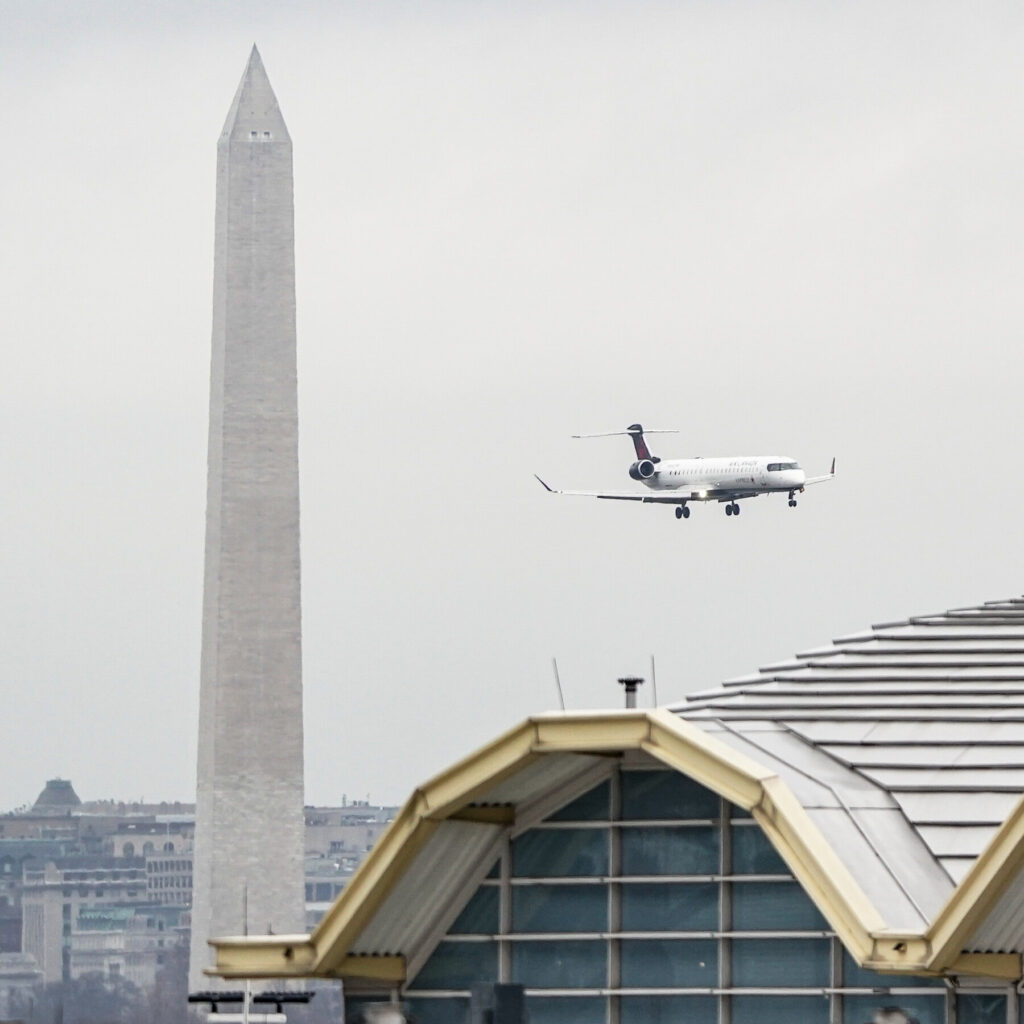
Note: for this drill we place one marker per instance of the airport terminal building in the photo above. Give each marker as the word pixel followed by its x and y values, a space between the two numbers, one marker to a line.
pixel 835 839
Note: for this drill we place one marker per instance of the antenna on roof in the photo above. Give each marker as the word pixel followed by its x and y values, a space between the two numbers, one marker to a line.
pixel 558 683
pixel 654 684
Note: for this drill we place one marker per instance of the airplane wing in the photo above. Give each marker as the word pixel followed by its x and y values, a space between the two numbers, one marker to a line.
pixel 656 498
pixel 667 498
pixel 822 479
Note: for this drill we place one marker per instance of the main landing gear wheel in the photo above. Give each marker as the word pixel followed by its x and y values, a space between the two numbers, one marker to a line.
pixel 732 509
pixel 682 512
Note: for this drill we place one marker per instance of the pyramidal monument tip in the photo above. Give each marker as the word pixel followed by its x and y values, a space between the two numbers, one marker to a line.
pixel 255 107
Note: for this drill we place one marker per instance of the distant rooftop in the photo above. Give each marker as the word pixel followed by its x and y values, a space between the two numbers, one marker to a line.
pixel 57 795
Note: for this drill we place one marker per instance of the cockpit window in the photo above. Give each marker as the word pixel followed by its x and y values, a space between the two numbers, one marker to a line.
pixel 778 467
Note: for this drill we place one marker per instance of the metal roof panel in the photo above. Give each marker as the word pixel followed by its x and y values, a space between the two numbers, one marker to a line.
pixel 957 840
pixel 909 859
pixel 957 867
pixel 872 874
pixel 1002 929
pixel 422 900
pixel 893 755
pixel 975 808
pixel 949 779
pixel 539 777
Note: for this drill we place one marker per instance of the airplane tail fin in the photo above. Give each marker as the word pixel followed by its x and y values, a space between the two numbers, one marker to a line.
pixel 636 432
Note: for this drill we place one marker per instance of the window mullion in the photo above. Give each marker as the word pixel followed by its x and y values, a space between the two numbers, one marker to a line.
pixel 615 899
pixel 725 914
pixel 836 1008
pixel 505 914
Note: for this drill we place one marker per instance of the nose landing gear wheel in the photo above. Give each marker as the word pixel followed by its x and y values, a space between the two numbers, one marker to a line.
pixel 792 502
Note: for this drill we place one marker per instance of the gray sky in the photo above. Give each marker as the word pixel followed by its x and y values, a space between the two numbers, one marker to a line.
pixel 779 227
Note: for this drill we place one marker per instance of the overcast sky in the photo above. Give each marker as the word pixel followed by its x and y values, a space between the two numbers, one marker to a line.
pixel 779 227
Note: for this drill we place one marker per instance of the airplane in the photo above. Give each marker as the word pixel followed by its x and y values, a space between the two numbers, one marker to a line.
pixel 726 480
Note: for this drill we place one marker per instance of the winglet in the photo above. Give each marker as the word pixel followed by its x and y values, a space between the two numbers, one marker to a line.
pixel 550 490
pixel 830 475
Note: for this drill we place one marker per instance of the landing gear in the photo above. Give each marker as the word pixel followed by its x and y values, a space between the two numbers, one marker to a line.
pixel 792 500
pixel 732 509
pixel 682 512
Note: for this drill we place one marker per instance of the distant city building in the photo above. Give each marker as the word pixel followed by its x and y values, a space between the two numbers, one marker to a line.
pixel 132 942
pixel 106 886
pixel 15 855
pixel 147 837
pixel 20 978
pixel 169 878
pixel 42 840
pixel 337 841
pixel 55 893
pixel 347 830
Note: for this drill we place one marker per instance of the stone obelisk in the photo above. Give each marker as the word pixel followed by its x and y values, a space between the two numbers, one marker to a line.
pixel 248 869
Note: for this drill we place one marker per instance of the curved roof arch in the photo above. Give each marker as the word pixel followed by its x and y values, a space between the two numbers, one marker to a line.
pixel 886 768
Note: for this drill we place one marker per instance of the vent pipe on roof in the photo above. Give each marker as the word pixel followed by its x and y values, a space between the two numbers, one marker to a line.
pixel 630 683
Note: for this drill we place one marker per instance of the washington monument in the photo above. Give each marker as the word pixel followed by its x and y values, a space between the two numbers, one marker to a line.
pixel 248 867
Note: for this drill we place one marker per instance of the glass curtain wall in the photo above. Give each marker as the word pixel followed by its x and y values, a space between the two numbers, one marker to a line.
pixel 650 900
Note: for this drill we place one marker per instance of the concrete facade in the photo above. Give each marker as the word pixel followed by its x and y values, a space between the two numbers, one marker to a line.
pixel 20 978
pixel 127 942
pixel 57 891
pixel 249 801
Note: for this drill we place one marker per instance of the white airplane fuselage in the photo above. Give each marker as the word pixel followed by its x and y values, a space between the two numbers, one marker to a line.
pixel 700 478
pixel 727 481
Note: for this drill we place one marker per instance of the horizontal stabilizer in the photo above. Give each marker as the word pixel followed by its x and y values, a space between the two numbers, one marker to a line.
pixel 623 433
